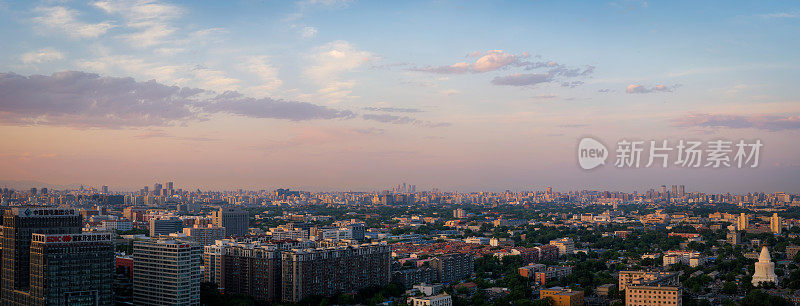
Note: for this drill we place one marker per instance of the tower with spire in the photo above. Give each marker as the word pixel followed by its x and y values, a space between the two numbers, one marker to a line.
pixel 765 269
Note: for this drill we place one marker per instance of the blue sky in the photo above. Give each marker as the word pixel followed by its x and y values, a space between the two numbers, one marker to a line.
pixel 448 94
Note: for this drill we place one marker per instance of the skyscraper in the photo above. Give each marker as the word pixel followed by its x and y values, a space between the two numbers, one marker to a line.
pixel 235 221
pixel 743 222
pixel 681 191
pixel 105 189
pixel 166 272
pixel 19 225
pixel 80 265
pixel 776 224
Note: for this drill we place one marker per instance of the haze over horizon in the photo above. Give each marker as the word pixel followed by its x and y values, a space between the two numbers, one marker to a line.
pixel 327 95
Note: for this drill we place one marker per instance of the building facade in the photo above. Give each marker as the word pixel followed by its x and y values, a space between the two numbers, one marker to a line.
pixel 72 269
pixel 19 225
pixel 166 272
pixel 327 271
pixel 235 221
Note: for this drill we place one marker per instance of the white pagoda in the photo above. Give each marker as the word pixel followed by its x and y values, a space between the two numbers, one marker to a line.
pixel 765 269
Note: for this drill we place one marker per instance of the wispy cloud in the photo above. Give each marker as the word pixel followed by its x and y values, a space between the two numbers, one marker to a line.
pixel 395 119
pixel 641 89
pixel 780 15
pixel 393 109
pixel 148 21
pixel 329 62
pixel 65 21
pixel 489 61
pixel 41 56
pixel 763 122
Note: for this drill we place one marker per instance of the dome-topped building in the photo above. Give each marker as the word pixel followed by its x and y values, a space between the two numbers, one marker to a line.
pixel 765 269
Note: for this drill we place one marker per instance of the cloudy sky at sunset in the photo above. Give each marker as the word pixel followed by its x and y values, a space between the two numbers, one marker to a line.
pixel 363 95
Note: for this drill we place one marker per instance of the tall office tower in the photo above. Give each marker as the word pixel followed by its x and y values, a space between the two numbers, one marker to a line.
pixel 157 189
pixel 776 224
pixel 72 269
pixel 549 190
pixel 166 272
pixel 170 186
pixel 33 191
pixel 743 222
pixel 235 221
pixel 681 191
pixel 19 225
pixel 663 191
pixel 105 189
pixel 674 191
pixel 146 190
pixel 326 271
pixel 413 188
pixel 165 226
pixel 44 191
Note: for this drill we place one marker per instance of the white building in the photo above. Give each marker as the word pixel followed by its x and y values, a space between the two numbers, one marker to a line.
pixel 116 225
pixel 477 240
pixel 765 269
pixel 436 300
pixel 693 259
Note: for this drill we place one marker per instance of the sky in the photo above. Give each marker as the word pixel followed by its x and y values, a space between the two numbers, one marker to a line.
pixel 336 95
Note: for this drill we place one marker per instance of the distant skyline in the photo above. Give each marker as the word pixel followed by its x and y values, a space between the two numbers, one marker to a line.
pixel 327 95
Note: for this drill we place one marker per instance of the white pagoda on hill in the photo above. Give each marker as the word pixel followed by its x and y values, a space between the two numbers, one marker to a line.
pixel 765 269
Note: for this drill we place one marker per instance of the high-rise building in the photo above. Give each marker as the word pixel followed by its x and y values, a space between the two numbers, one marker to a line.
pixel 19 225
pixel 166 272
pixel 327 271
pixel 252 271
pixel 742 222
pixel 170 186
pixel 235 221
pixel 453 267
pixel 157 189
pixel 105 189
pixel 681 191
pixel 459 213
pixel 165 226
pixel 674 191
pixel 212 260
pixel 80 265
pixel 205 235
pixel 734 238
pixel 776 224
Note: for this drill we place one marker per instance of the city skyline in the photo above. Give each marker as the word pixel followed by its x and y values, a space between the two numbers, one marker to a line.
pixel 353 95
